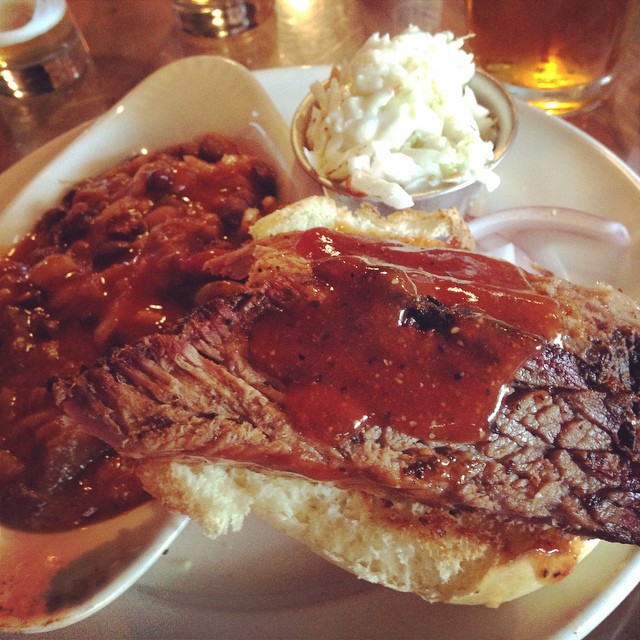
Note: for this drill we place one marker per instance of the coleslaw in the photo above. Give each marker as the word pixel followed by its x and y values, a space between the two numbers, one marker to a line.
pixel 400 118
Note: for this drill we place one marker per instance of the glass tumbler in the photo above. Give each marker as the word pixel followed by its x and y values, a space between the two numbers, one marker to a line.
pixel 41 48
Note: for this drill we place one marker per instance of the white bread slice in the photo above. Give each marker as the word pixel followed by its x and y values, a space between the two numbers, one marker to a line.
pixel 444 227
pixel 432 553
pixel 438 555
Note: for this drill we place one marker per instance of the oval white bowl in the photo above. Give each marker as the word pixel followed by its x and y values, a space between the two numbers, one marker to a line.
pixel 53 580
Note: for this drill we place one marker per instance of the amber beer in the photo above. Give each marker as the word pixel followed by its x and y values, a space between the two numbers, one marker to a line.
pixel 557 54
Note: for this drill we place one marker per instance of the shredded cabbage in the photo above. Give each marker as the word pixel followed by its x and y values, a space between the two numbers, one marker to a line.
pixel 401 118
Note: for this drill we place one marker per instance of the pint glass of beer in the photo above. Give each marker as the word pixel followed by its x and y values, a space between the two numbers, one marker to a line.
pixel 41 50
pixel 557 54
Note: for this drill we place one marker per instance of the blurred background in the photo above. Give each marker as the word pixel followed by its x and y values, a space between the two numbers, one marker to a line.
pixel 129 39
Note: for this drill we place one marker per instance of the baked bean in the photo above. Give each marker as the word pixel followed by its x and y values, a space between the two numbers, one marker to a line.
pixel 125 254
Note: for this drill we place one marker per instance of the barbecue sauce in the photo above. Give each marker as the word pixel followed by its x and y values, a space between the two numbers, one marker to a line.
pixel 422 341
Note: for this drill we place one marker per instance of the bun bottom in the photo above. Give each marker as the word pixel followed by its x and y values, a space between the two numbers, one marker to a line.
pixel 440 555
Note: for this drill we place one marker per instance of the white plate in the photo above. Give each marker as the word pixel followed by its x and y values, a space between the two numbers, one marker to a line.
pixel 257 584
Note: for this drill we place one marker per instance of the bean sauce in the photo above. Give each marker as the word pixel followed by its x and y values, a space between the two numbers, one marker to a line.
pixel 122 256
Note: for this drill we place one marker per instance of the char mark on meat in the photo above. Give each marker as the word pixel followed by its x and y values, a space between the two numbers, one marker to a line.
pixel 562 449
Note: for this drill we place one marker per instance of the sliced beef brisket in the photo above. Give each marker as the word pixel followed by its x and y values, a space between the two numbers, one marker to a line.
pixel 559 444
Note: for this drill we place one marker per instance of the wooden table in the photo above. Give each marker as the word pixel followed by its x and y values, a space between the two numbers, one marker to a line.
pixel 129 39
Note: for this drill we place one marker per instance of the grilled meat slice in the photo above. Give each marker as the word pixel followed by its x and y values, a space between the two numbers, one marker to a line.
pixel 439 375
